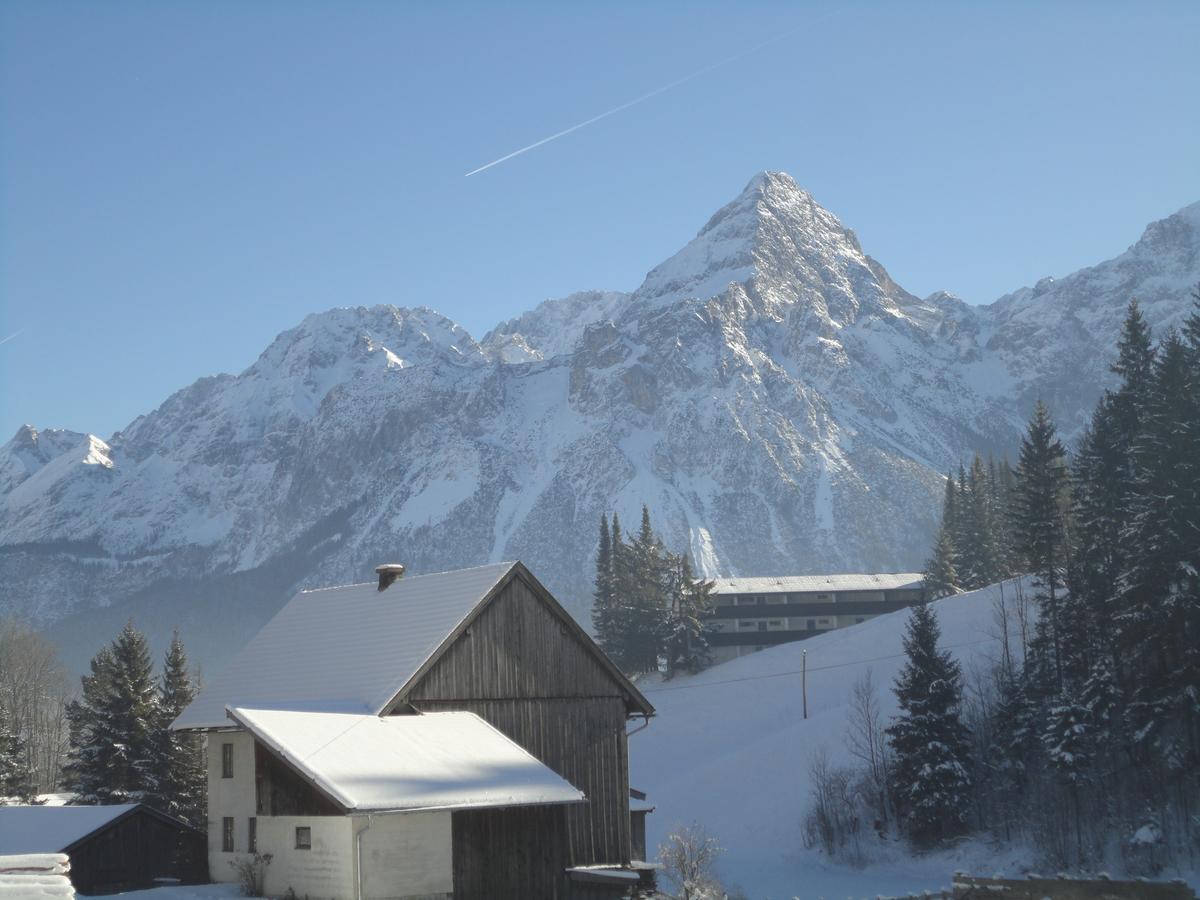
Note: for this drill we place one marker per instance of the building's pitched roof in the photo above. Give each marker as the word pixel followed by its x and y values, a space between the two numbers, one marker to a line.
pixel 444 760
pixel 52 829
pixel 344 649
pixel 818 583
pixel 356 649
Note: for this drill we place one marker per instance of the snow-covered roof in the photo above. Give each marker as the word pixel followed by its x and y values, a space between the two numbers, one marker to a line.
pixel 344 649
pixel 51 829
pixel 445 760
pixel 816 583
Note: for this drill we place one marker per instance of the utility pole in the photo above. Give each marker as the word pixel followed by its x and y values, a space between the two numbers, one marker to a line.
pixel 804 679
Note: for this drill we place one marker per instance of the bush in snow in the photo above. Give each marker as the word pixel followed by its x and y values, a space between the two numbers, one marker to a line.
pixel 252 873
pixel 687 858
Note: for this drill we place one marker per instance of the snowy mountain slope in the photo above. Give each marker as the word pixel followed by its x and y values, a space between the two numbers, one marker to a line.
pixel 553 328
pixel 729 749
pixel 775 397
pixel 1047 336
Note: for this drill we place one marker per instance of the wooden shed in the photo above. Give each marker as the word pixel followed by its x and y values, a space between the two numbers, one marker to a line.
pixel 490 642
pixel 111 848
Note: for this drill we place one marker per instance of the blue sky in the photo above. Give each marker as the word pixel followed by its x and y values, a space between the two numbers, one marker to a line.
pixel 179 182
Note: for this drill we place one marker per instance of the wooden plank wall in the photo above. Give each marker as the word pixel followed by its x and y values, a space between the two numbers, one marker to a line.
pixel 509 853
pixel 280 791
pixel 134 851
pixel 523 671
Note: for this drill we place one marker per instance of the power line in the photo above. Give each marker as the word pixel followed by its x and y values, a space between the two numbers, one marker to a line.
pixel 842 665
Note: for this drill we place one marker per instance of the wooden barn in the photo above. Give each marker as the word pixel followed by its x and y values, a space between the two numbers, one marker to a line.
pixel 111 848
pixel 451 735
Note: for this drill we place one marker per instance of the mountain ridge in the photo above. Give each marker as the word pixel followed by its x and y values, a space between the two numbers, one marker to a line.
pixel 779 401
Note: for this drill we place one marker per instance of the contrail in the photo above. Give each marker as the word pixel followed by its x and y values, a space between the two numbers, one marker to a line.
pixel 15 334
pixel 644 97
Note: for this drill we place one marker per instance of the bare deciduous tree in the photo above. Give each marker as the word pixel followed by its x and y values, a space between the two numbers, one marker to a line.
pixel 866 741
pixel 33 694
pixel 687 857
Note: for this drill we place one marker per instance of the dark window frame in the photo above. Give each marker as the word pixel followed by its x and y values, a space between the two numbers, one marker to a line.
pixel 227 834
pixel 303 837
pixel 252 834
pixel 227 760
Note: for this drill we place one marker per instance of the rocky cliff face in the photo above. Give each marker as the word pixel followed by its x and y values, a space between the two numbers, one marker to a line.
pixel 780 403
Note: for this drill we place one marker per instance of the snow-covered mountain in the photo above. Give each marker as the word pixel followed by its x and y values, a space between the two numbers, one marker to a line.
pixel 775 397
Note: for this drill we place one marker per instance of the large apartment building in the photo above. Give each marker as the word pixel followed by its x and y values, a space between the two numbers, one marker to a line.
pixel 752 613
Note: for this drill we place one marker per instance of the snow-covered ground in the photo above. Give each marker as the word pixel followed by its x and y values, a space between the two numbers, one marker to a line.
pixel 730 750
pixel 186 892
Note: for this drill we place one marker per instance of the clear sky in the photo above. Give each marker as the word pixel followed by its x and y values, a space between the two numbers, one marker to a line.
pixel 181 181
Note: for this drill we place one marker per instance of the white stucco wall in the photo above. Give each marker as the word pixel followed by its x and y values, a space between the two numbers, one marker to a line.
pixel 229 797
pixel 325 872
pixel 407 856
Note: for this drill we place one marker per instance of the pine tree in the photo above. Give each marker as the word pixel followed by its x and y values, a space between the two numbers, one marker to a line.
pixel 180 762
pixel 941 576
pixel 648 599
pixel 1101 491
pixel 686 646
pixel 931 782
pixel 16 774
pixel 1040 512
pixel 1015 753
pixel 1191 325
pixel 1159 617
pixel 1067 742
pixel 603 612
pixel 113 728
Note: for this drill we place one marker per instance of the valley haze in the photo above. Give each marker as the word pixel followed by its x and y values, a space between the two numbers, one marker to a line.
pixel 775 397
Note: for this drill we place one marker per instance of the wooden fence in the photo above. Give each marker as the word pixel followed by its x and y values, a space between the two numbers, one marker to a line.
pixel 967 887
pixel 970 887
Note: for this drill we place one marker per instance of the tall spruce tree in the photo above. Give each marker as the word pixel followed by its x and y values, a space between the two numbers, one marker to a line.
pixel 114 750
pixel 941 573
pixel 1040 515
pixel 649 604
pixel 603 613
pixel 181 776
pixel 686 644
pixel 1159 620
pixel 930 778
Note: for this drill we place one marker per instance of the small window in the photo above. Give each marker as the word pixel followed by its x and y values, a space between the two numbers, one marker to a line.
pixel 810 624
pixel 746 624
pixel 762 626
pixel 227 760
pixel 725 601
pixel 303 837
pixel 776 598
pixel 252 835
pixel 227 834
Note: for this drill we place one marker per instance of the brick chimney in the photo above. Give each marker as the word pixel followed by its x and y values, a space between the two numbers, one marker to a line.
pixel 388 573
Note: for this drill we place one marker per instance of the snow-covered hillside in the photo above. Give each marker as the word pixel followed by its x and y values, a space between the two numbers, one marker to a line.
pixel 775 397
pixel 729 749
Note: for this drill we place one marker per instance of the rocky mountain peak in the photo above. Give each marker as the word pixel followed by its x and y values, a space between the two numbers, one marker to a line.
pixel 791 256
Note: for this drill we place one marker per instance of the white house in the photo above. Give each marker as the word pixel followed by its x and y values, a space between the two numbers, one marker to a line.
pixel 451 735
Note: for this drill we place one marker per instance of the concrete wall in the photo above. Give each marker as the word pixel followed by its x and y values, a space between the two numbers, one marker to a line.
pixel 324 872
pixel 229 797
pixel 407 856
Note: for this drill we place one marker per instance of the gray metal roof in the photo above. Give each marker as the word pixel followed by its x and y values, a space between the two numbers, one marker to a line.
pixel 344 649
pixel 802 584
pixel 51 829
